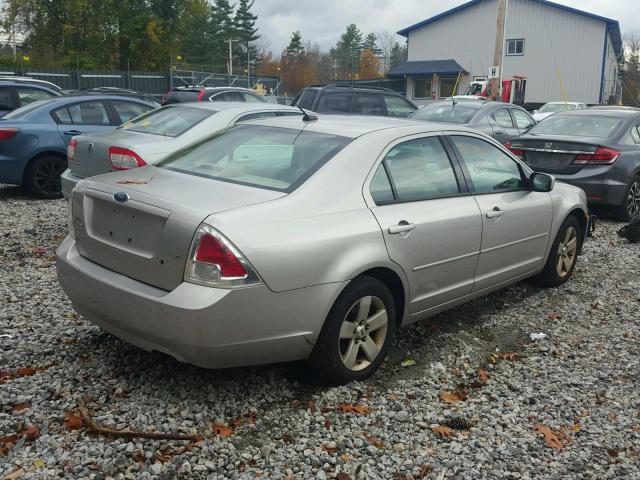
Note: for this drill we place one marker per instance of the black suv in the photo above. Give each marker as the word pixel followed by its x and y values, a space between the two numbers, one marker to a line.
pixel 347 99
pixel 15 92
pixel 210 94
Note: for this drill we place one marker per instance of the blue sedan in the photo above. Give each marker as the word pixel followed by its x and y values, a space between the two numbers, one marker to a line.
pixel 34 138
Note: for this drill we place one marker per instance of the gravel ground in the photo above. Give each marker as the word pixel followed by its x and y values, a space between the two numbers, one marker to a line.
pixel 474 369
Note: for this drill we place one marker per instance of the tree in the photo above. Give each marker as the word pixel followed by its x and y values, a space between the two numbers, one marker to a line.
pixel 369 64
pixel 371 43
pixel 398 55
pixel 268 66
pixel 297 68
pixel 246 30
pixel 346 52
pixel 386 40
pixel 631 78
pixel 295 45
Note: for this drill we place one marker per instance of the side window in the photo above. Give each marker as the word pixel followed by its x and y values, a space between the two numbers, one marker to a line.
pixel 420 169
pixel 635 134
pixel 367 104
pixel 380 187
pixel 6 102
pixel 250 98
pixel 523 120
pixel 30 95
pixel 515 47
pixel 61 115
pixel 89 113
pixel 397 106
pixel 307 99
pixel 503 118
pixel 338 102
pixel 128 110
pixel 252 116
pixel 491 169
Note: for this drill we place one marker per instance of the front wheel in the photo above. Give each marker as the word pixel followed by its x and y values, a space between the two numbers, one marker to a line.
pixel 563 255
pixel 356 333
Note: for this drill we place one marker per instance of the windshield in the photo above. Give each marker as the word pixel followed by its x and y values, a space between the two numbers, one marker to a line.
pixel 577 125
pixel 22 111
pixel 259 156
pixel 445 113
pixel 168 121
pixel 556 107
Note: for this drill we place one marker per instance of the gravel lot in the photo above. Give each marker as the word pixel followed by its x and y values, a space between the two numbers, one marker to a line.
pixel 579 385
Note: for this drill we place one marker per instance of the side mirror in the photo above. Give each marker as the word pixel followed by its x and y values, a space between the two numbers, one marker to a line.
pixel 541 182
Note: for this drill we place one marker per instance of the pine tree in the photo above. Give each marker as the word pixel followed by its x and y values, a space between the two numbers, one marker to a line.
pixel 347 52
pixel 398 55
pixel 246 31
pixel 371 43
pixel 295 46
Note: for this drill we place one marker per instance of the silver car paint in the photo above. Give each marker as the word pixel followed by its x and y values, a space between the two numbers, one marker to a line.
pixel 306 246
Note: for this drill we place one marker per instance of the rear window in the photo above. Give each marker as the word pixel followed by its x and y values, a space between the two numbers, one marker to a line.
pixel 168 121
pixel 577 125
pixel 445 113
pixel 22 111
pixel 182 96
pixel 266 157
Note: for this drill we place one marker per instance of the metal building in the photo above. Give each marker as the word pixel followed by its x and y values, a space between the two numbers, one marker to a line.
pixel 566 54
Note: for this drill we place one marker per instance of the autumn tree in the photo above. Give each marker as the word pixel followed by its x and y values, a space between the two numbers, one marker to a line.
pixel 268 66
pixel 369 65
pixel 297 69
pixel 631 78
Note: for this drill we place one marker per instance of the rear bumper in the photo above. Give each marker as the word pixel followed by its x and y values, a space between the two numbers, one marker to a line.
pixel 68 181
pixel 11 170
pixel 207 327
pixel 599 183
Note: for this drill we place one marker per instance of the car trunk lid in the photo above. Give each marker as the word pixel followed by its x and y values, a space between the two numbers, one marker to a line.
pixel 141 222
pixel 554 154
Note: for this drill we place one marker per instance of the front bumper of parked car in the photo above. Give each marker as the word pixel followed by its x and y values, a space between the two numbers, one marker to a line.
pixel 208 327
pixel 68 181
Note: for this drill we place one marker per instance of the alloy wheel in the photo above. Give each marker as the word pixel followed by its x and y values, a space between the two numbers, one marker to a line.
pixel 567 252
pixel 46 178
pixel 363 333
pixel 633 199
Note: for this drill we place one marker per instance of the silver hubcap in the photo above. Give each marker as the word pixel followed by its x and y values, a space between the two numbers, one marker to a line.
pixel 363 333
pixel 567 251
pixel 633 199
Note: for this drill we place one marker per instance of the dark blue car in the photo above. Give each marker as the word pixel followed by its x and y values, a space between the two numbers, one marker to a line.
pixel 33 138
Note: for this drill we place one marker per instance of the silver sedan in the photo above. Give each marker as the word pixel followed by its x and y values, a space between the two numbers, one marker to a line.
pixel 292 238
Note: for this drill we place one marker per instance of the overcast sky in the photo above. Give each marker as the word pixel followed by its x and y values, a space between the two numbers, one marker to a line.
pixel 322 21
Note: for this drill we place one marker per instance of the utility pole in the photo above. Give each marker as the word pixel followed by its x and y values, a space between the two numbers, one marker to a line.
pixel 230 58
pixel 248 67
pixel 497 54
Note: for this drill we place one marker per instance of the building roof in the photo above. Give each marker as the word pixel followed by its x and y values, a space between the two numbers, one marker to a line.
pixel 612 25
pixel 427 68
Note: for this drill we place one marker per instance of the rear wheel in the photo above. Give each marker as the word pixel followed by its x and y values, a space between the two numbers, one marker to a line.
pixel 42 178
pixel 630 206
pixel 356 334
pixel 563 255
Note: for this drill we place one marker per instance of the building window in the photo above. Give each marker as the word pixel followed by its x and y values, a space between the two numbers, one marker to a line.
pixel 421 88
pixel 515 47
pixel 446 87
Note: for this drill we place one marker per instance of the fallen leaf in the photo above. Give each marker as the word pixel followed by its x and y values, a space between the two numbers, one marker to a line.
pixel 311 405
pixel 576 427
pixel 445 432
pixel 18 407
pixel 375 441
pixel 72 421
pixel 612 416
pixel 39 463
pixel 70 341
pixel 330 448
pixel 453 397
pixel 32 432
pixel 296 403
pixel 327 424
pixel 613 453
pixel 551 439
pixel 393 397
pixel 483 375
pixel 343 476
pixel 349 408
pixel 408 362
pixel 14 475
pixel 221 430
pixel 554 316
pixel 425 469
pixel 507 356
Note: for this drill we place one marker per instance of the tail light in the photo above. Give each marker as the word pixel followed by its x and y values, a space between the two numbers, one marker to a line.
pixel 201 95
pixel 516 151
pixel 71 149
pixel 602 156
pixel 124 159
pixel 7 133
pixel 215 262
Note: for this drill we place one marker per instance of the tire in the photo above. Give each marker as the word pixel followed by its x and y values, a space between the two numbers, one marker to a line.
pixel 630 206
pixel 42 177
pixel 365 337
pixel 565 249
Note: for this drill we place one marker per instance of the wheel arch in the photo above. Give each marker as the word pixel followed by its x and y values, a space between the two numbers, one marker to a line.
pixel 43 153
pixel 396 284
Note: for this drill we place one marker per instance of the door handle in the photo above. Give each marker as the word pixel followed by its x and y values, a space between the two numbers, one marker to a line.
pixel 73 132
pixel 402 227
pixel 495 213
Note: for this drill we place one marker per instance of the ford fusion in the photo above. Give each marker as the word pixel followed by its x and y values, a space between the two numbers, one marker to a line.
pixel 303 238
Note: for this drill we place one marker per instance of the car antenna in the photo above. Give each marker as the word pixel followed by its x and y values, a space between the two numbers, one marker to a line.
pixel 307 115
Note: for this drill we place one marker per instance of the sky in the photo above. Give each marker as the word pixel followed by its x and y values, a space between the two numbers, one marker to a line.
pixel 322 21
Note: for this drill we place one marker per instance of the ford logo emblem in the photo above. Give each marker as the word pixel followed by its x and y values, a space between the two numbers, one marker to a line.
pixel 121 197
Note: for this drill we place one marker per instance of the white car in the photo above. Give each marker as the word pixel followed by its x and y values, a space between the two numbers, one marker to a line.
pixel 550 108
pixel 149 138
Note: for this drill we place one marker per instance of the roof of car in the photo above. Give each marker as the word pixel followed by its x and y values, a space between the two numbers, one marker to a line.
pixel 614 112
pixel 65 99
pixel 240 106
pixel 351 126
pixel 354 87
pixel 200 87
pixel 564 103
pixel 30 81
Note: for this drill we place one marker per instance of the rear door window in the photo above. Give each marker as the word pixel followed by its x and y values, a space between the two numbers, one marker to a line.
pixel 338 102
pixel 367 104
pixel 398 107
pixel 168 121
pixel 85 113
pixel 503 118
pixel 30 95
pixel 307 99
pixel 128 110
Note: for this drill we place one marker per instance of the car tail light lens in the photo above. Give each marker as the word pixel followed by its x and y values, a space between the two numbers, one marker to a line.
pixel 516 151
pixel 602 156
pixel 124 159
pixel 201 95
pixel 7 133
pixel 71 149
pixel 215 262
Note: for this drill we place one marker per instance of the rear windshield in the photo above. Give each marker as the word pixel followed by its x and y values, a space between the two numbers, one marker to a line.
pixel 168 121
pixel 557 107
pixel 178 96
pixel 266 157
pixel 22 111
pixel 577 125
pixel 445 113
